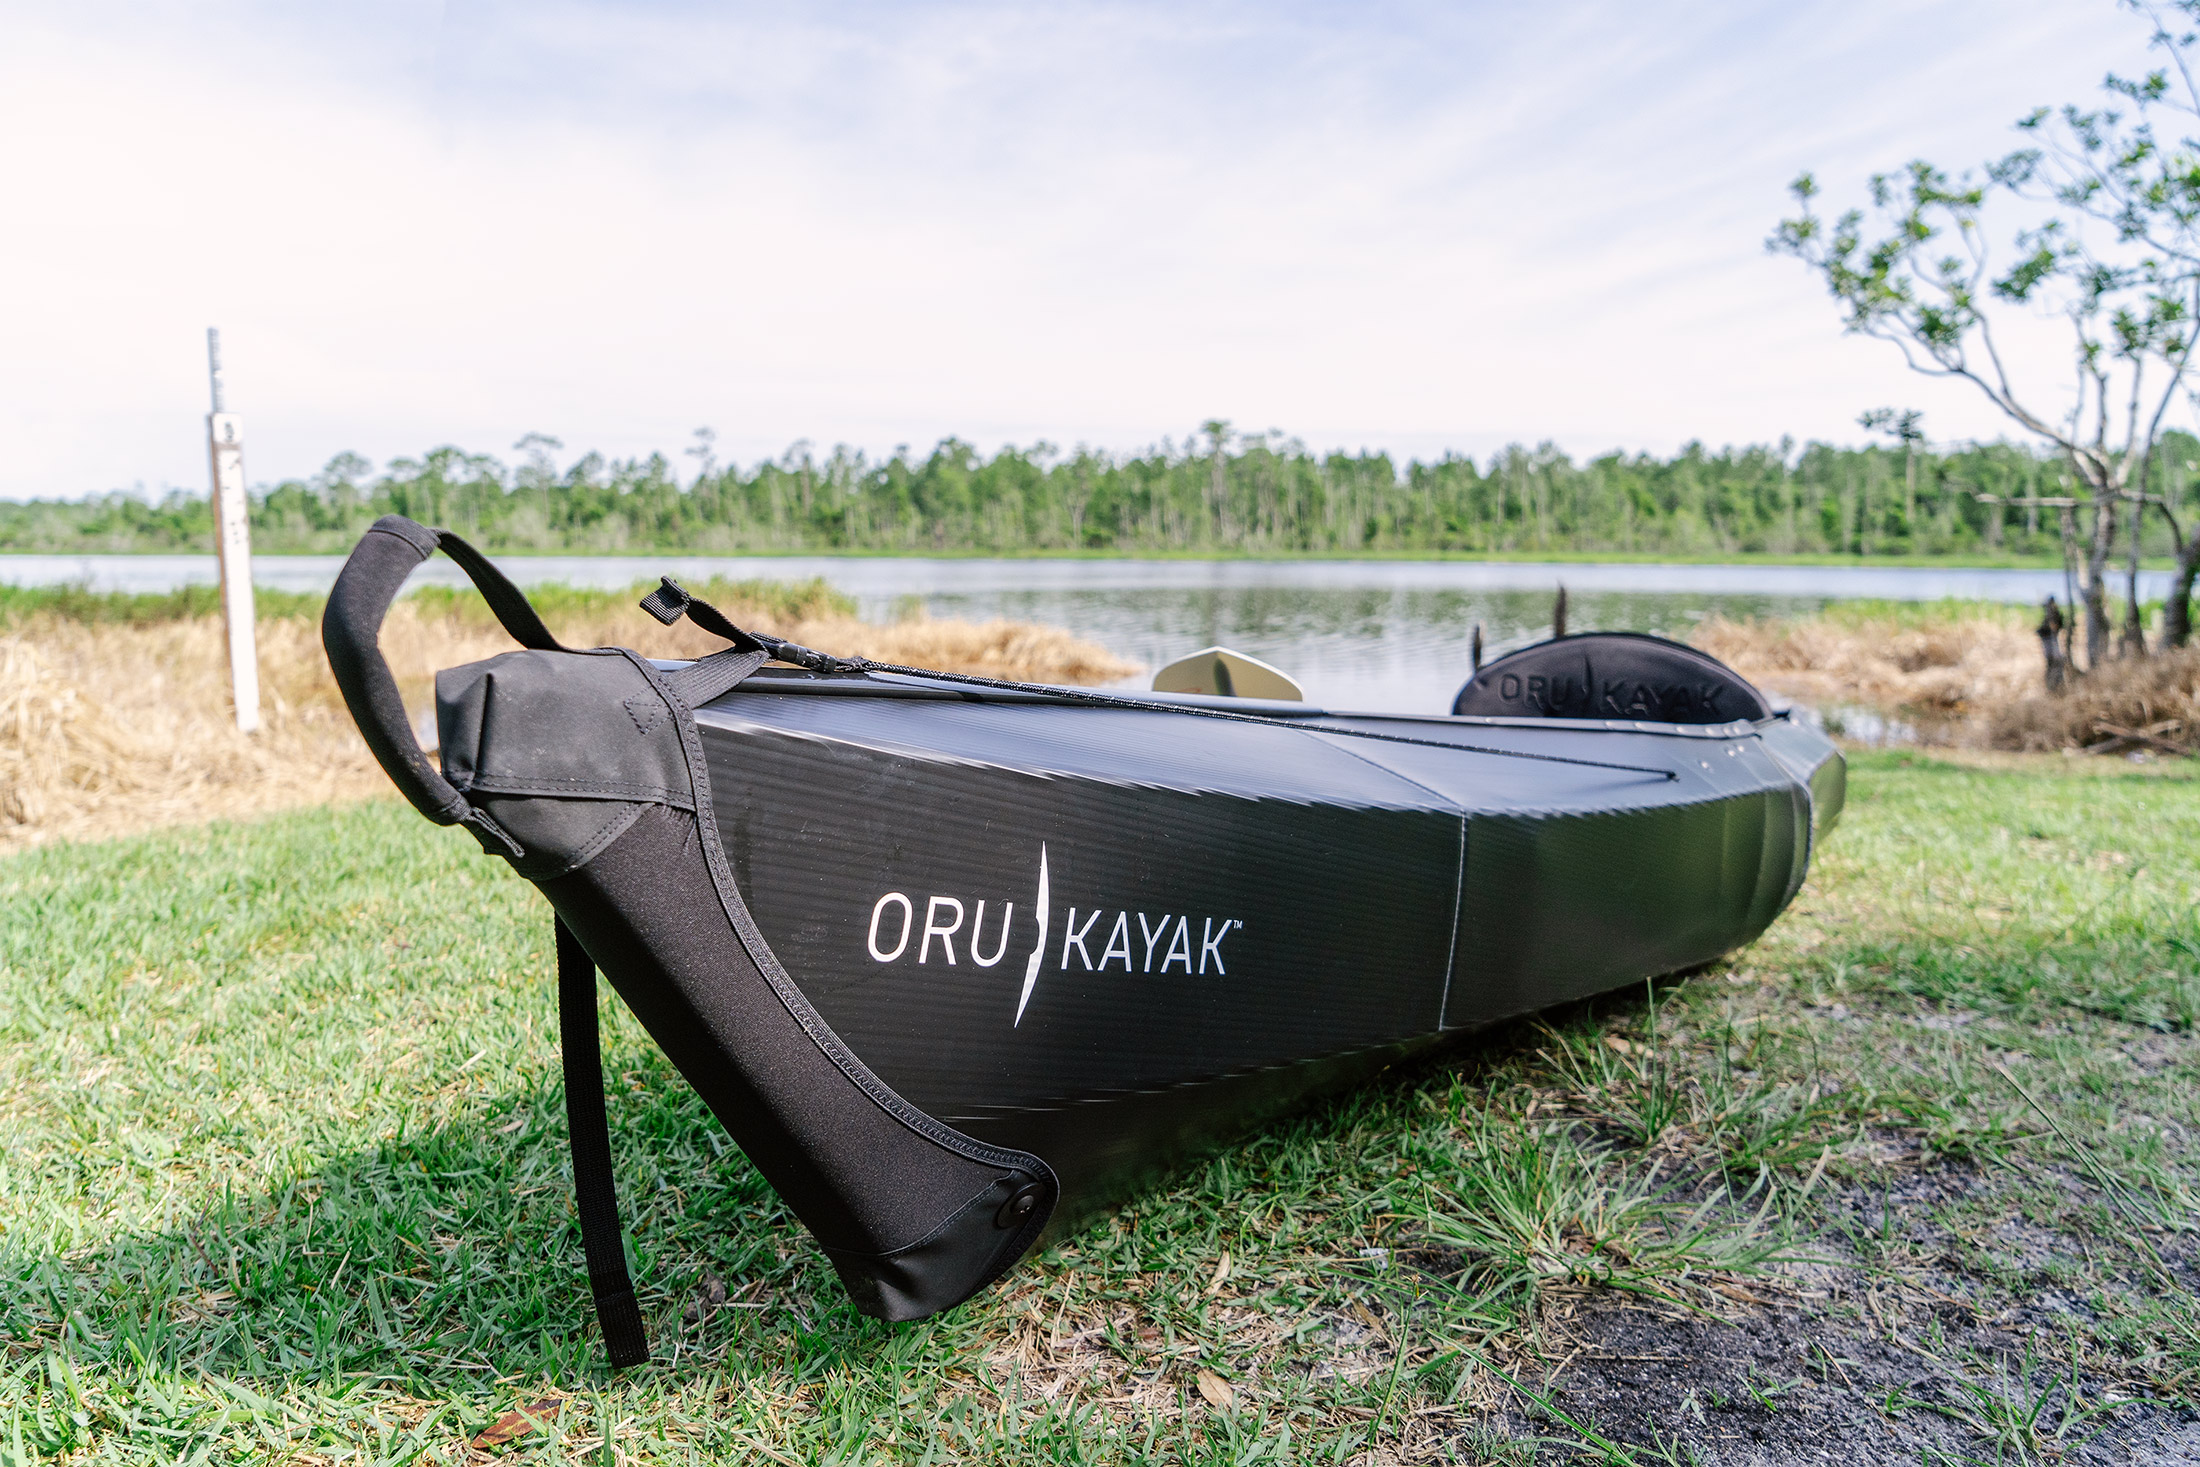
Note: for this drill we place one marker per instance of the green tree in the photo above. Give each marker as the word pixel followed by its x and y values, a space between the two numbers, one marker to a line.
pixel 2133 169
pixel 1906 427
pixel 2090 220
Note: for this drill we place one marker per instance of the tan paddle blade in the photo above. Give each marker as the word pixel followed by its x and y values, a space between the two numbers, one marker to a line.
pixel 1219 671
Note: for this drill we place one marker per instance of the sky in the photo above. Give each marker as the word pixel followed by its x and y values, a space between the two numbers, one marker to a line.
pixel 1375 225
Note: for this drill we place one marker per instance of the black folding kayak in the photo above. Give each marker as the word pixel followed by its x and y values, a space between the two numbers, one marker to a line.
pixel 955 960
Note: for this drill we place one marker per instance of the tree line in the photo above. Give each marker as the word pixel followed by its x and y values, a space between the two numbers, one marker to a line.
pixel 1217 492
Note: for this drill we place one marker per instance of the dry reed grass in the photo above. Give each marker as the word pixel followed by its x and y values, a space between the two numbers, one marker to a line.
pixel 1938 673
pixel 2151 704
pixel 1968 676
pixel 106 729
pixel 109 729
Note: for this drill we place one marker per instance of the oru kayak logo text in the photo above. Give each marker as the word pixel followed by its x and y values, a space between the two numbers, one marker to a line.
pixel 1098 938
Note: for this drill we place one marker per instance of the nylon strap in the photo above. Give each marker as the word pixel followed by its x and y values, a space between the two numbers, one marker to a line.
pixel 671 601
pixel 718 674
pixel 595 1195
pixel 506 601
pixel 714 676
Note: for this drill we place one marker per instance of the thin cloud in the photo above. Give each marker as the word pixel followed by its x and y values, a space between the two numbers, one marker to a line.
pixel 1402 226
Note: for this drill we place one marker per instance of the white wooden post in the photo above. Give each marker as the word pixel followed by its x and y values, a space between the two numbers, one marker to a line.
pixel 233 542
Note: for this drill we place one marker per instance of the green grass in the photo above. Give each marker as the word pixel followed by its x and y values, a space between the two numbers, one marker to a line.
pixel 19 604
pixel 790 600
pixel 1863 612
pixel 1555 555
pixel 282 1174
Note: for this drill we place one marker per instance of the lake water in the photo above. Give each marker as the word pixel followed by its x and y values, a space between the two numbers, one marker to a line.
pixel 1389 635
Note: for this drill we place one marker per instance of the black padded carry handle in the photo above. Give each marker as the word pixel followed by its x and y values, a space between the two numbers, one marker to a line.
pixel 371 578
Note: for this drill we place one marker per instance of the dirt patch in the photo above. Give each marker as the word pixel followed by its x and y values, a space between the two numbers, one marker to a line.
pixel 1788 1387
pixel 1908 1355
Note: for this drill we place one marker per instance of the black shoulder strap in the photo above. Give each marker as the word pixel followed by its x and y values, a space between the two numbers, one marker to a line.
pixel 594 1192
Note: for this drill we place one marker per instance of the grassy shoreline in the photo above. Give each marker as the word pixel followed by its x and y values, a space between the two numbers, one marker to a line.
pixel 1511 557
pixel 75 603
pixel 284 1154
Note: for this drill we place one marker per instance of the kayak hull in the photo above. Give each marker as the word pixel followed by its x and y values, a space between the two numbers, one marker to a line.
pixel 1113 937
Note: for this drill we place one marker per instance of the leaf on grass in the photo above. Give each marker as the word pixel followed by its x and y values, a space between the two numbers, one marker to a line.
pixel 1218 1392
pixel 710 1297
pixel 517 1422
pixel 1222 1271
pixel 1743 1296
pixel 1614 1042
